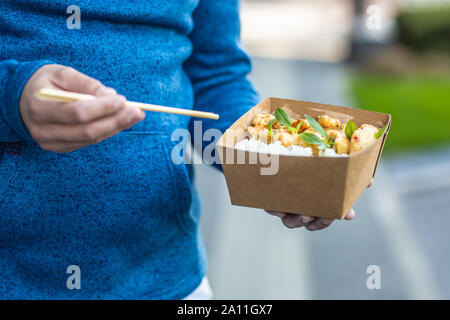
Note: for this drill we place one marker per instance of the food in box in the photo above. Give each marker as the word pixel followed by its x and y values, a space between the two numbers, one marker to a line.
pixel 302 168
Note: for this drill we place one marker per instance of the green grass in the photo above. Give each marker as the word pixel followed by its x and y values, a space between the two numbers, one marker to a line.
pixel 419 105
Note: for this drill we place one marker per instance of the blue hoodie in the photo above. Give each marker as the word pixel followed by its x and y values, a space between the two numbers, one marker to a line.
pixel 120 210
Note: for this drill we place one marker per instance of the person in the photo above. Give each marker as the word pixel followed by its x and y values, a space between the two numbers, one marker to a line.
pixel 92 207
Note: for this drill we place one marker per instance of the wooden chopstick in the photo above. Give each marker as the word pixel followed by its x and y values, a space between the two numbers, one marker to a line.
pixel 68 96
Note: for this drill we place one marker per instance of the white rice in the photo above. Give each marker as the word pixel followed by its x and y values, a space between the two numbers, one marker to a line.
pixel 254 145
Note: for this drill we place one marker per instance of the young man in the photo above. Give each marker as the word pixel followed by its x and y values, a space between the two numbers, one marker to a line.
pixel 91 205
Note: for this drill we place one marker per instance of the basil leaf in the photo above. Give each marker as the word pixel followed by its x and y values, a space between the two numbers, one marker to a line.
pixel 316 126
pixel 350 128
pixel 283 118
pixel 313 139
pixel 381 131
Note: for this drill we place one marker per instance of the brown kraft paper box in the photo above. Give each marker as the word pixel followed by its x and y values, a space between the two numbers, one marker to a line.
pixel 318 186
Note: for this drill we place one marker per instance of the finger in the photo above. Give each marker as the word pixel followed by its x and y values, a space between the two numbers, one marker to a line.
pixel 319 224
pixel 106 91
pixel 370 184
pixel 275 213
pixel 110 127
pixel 62 147
pixel 72 80
pixel 350 215
pixel 292 221
pixel 93 132
pixel 83 111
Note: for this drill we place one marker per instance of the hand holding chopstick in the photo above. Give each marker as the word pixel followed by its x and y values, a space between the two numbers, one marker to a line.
pixel 85 113
pixel 68 96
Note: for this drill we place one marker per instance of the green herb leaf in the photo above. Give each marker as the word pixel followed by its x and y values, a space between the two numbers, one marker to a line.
pixel 381 131
pixel 350 128
pixel 292 130
pixel 299 124
pixel 269 127
pixel 313 139
pixel 316 126
pixel 270 124
pixel 332 141
pixel 283 118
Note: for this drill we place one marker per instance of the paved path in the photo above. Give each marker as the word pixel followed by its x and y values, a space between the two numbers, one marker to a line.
pixel 401 223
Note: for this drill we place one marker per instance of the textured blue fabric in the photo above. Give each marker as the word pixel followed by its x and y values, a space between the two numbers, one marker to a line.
pixel 121 210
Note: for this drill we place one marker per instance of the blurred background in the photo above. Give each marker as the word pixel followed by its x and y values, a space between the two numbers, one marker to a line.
pixel 387 56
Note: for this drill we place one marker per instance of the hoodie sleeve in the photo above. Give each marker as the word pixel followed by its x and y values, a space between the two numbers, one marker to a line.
pixel 13 77
pixel 218 66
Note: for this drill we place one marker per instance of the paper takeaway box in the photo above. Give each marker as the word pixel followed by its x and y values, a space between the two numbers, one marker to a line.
pixel 314 185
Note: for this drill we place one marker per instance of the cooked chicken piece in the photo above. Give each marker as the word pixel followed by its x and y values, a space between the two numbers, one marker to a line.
pixel 253 132
pixel 329 123
pixel 363 137
pixel 363 126
pixel 288 139
pixel 261 120
pixel 260 134
pixel 341 142
pixel 304 125
pixel 283 129
pixel 265 137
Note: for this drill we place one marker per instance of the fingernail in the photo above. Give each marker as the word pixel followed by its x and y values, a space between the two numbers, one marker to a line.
pixel 110 91
pixel 326 221
pixel 107 91
pixel 306 219
pixel 351 214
